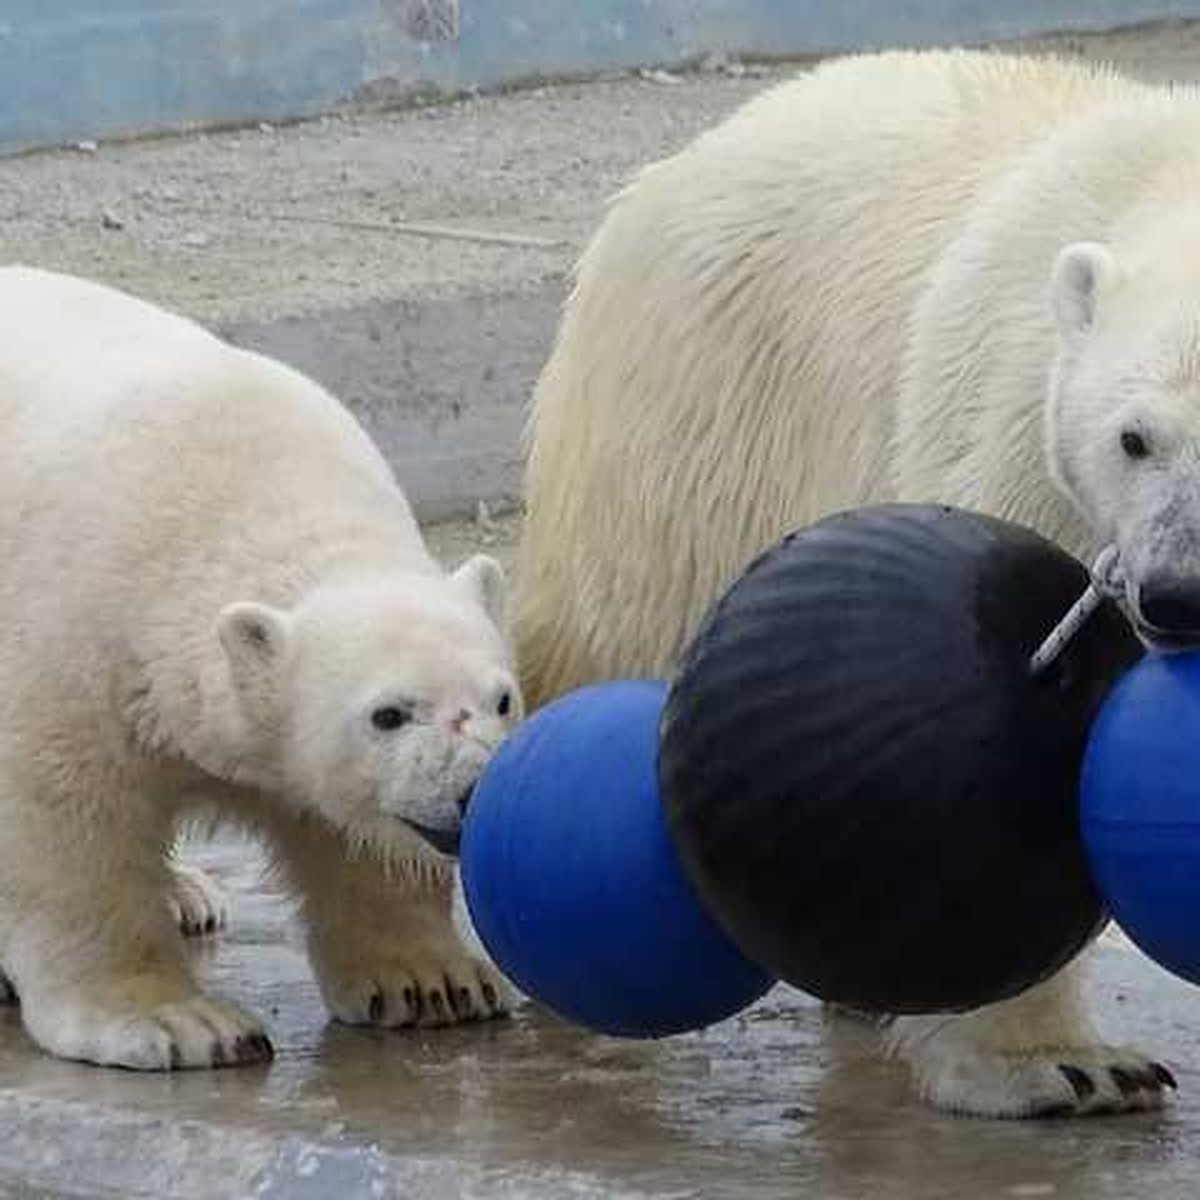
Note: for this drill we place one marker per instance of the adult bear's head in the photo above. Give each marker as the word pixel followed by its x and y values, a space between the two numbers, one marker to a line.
pixel 1124 417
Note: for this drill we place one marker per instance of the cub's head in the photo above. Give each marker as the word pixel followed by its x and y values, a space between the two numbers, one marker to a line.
pixel 1124 419
pixel 378 704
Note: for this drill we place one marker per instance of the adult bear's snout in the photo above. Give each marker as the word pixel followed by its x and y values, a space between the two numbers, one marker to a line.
pixel 1169 604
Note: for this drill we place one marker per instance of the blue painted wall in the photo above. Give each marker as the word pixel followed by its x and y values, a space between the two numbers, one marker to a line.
pixel 72 69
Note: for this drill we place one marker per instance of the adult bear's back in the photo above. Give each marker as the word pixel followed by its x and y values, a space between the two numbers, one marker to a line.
pixel 728 363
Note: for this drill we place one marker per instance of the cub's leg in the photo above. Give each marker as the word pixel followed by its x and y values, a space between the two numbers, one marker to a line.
pixel 1036 1055
pixel 87 941
pixel 381 939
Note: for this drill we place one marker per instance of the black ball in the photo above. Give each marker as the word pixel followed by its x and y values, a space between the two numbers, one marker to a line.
pixel 871 792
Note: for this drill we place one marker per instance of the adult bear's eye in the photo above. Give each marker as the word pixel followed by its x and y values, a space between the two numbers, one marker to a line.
pixel 1134 444
pixel 391 716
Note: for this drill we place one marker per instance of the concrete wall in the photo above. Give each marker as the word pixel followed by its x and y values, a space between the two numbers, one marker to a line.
pixel 74 69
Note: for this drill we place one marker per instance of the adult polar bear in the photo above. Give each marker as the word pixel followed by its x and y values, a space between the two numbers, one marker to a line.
pixel 214 593
pixel 943 277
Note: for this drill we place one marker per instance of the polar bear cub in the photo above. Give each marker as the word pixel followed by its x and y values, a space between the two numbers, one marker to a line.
pixel 215 597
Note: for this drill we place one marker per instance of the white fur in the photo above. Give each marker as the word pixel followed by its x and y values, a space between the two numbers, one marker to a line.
pixel 848 293
pixel 211 581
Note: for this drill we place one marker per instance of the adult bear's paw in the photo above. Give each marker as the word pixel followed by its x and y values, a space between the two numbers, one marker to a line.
pixel 1080 1080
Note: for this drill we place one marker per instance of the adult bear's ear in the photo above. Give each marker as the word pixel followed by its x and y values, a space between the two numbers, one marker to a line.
pixel 482 579
pixel 257 640
pixel 1083 273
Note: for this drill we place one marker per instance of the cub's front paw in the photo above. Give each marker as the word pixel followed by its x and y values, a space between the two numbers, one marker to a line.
pixel 123 1032
pixel 197 902
pixel 430 984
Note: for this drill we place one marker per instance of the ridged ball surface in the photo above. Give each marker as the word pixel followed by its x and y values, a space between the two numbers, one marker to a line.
pixel 871 792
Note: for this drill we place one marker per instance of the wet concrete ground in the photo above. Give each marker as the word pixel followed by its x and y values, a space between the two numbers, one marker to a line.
pixel 782 1101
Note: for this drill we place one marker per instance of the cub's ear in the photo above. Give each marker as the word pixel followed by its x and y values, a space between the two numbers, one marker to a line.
pixel 482 579
pixel 1083 273
pixel 256 639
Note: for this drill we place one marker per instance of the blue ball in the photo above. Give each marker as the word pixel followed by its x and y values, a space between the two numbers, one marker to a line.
pixel 1140 808
pixel 572 881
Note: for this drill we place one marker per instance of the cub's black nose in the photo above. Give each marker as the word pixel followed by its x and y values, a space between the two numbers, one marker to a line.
pixel 464 801
pixel 444 841
pixel 1170 604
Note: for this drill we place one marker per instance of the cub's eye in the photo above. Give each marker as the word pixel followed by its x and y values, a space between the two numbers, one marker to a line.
pixel 505 703
pixel 391 716
pixel 1134 444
